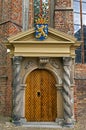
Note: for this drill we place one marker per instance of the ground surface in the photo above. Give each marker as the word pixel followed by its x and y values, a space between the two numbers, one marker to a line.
pixel 80 125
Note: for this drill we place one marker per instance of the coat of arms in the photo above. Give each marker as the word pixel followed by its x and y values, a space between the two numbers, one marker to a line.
pixel 41 29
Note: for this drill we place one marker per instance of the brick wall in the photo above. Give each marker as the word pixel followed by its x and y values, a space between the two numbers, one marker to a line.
pixel 4 10
pixel 10 24
pixel 4 18
pixel 5 82
pixel 64 16
pixel 80 81
pixel 3 78
pixel 8 94
pixel 31 14
pixel 8 27
pixel 80 77
pixel 16 11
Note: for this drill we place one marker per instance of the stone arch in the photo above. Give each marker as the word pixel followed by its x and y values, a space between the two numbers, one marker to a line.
pixel 56 75
pixel 45 67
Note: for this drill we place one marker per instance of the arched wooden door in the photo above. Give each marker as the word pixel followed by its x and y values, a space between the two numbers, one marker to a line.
pixel 40 96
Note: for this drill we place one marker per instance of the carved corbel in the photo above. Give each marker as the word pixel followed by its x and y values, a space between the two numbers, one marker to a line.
pixel 43 61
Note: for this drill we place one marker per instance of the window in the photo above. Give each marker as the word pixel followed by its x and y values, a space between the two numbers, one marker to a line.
pixel 80 28
pixel 41 5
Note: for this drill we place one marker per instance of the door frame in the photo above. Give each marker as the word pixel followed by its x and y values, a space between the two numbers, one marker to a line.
pixel 36 66
pixel 29 65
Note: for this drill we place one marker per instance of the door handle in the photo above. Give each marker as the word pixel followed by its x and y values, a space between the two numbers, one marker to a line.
pixel 38 94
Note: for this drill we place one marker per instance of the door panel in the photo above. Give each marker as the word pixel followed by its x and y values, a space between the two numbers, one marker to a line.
pixel 37 98
pixel 40 96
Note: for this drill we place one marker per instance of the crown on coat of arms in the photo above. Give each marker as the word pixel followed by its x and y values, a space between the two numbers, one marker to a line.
pixel 41 20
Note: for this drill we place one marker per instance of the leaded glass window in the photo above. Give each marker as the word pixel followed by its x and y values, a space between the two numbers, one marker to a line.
pixel 41 8
pixel 77 28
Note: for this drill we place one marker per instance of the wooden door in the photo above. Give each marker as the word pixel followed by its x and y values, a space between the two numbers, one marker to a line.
pixel 40 96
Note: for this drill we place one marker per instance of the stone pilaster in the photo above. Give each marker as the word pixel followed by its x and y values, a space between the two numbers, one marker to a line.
pixel 25 15
pixel 16 87
pixel 59 118
pixel 67 95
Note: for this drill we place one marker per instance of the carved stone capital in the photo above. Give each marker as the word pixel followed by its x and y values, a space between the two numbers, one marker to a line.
pixel 17 59
pixel 59 87
pixel 67 61
pixel 72 85
pixel 23 86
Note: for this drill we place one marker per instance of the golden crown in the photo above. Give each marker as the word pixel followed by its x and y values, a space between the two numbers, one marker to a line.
pixel 41 21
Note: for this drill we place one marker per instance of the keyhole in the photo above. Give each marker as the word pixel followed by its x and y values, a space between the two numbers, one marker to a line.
pixel 38 94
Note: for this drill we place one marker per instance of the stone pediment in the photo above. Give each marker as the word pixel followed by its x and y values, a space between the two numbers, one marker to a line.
pixel 53 35
pixel 58 44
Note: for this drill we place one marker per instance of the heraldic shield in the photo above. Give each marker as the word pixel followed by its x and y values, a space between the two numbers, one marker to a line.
pixel 41 29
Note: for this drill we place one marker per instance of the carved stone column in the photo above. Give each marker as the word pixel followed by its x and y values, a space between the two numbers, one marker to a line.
pixel 16 87
pixel 68 112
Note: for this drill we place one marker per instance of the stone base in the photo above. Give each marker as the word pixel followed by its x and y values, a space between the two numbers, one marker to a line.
pixel 20 122
pixel 69 123
pixel 59 121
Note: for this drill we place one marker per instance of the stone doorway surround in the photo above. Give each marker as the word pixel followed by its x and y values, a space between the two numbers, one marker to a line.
pixel 40 96
pixel 56 54
pixel 28 65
